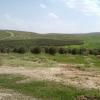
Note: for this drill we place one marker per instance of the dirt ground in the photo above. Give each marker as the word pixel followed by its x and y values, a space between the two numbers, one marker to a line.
pixel 11 95
pixel 63 73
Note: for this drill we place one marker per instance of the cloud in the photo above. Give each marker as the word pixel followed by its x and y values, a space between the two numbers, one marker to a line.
pixel 42 26
pixel 43 6
pixel 53 15
pixel 88 7
pixel 10 22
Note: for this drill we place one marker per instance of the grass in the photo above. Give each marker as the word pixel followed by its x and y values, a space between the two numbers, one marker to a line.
pixel 48 90
pixel 45 90
pixel 3 35
pixel 91 40
pixel 46 60
pixel 26 60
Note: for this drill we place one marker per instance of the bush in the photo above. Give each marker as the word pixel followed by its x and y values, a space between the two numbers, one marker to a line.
pixel 15 50
pixel 81 51
pixel 61 50
pixel 36 50
pixel 91 52
pixel 69 51
pixel 4 50
pixel 52 51
pixel 46 50
pixel 20 50
pixel 96 52
pixel 74 51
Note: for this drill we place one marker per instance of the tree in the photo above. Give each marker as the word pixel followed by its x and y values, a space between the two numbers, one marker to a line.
pixel 91 52
pixel 20 50
pixel 69 51
pixel 81 51
pixel 52 51
pixel 4 50
pixel 15 50
pixel 61 50
pixel 96 52
pixel 74 51
pixel 46 50
pixel 36 50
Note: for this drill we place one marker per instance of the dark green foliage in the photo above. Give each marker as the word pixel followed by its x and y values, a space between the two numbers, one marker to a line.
pixel 91 52
pixel 52 51
pixel 20 50
pixel 69 51
pixel 29 43
pixel 74 51
pixel 84 51
pixel 36 50
pixel 96 52
pixel 62 51
pixel 15 50
pixel 46 50
pixel 81 51
pixel 4 50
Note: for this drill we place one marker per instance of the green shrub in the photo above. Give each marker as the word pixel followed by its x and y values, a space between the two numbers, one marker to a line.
pixel 52 51
pixel 4 50
pixel 15 50
pixel 36 50
pixel 46 50
pixel 20 50
pixel 61 50
pixel 74 51
pixel 69 51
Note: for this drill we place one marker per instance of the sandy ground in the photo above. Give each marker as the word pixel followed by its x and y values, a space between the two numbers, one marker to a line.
pixel 11 95
pixel 64 74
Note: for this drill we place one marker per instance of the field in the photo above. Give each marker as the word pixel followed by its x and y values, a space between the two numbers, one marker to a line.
pixel 49 77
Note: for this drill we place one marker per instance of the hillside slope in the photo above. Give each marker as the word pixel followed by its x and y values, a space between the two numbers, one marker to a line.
pixel 16 35
pixel 91 40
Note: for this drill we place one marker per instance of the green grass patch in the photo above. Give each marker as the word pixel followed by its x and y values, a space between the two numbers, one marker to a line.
pixel 46 60
pixel 45 90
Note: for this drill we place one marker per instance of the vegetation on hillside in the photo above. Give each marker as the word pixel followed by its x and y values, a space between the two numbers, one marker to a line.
pixel 90 40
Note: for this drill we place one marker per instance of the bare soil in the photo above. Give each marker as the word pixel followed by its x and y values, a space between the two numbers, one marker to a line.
pixel 11 95
pixel 65 74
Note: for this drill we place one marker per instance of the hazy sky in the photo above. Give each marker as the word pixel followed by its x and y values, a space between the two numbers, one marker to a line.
pixel 63 16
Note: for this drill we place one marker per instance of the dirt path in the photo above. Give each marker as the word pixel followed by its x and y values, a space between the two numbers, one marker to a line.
pixel 64 74
pixel 11 35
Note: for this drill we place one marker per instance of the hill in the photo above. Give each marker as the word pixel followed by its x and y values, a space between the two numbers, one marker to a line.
pixel 91 40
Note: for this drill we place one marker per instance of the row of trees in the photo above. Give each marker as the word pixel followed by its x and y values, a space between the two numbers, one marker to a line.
pixel 53 50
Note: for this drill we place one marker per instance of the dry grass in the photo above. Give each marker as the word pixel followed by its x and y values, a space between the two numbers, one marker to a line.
pixel 6 94
pixel 65 74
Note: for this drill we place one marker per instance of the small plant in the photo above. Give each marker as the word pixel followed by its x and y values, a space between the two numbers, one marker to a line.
pixel 89 63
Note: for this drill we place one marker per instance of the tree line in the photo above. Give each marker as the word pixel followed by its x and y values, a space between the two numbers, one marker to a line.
pixel 29 43
pixel 52 50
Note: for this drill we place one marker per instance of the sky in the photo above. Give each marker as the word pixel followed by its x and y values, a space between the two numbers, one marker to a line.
pixel 50 16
